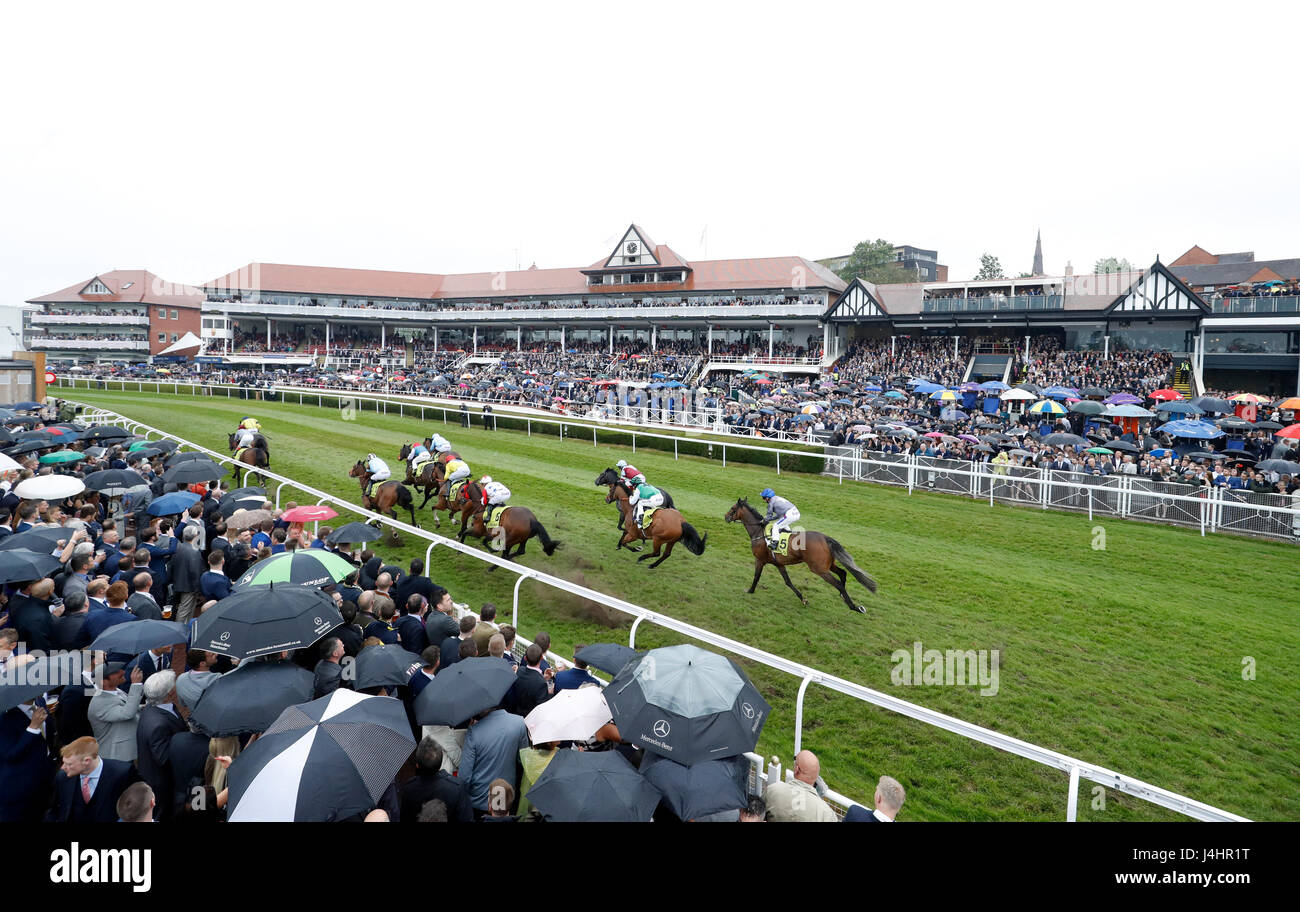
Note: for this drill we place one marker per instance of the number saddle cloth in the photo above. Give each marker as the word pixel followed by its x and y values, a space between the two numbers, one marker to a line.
pixel 783 546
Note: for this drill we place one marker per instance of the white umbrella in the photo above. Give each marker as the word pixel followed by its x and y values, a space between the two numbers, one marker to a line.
pixel 49 487
pixel 1016 394
pixel 7 464
pixel 570 715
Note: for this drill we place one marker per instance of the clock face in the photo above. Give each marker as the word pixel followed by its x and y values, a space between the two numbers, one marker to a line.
pixel 631 247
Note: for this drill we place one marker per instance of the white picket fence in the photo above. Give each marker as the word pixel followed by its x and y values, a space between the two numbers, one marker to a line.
pixel 1076 769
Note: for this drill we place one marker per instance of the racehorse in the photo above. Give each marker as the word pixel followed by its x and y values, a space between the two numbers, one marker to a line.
pixel 463 503
pixel 818 551
pixel 611 477
pixel 425 481
pixel 514 527
pixel 388 496
pixel 257 456
pixel 666 528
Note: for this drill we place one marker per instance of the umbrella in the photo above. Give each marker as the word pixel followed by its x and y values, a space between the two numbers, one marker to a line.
pixel 1088 407
pixel 42 540
pixel 587 787
pixel 25 406
pixel 696 791
pixel 354 532
pixel 249 502
pixel 321 761
pixel 1290 433
pixel 105 432
pixel 318 513
pixel 20 682
pixel 177 458
pixel 1060 392
pixel 31 446
pixel 250 698
pixel 1059 440
pixel 49 487
pixel 1047 407
pixel 1268 426
pixel 1093 391
pixel 1123 399
pixel 609 657
pixel 1178 408
pixel 1281 466
pixel 952 414
pixel 944 395
pixel 307 567
pixel 1167 395
pixel 260 621
pixel 1250 399
pixel 1211 404
pixel 1124 446
pixel 173 503
pixel 688 704
pixel 464 690
pixel 1292 404
pixel 1235 424
pixel 19 565
pixel 144 453
pixel 62 457
pixel 1100 451
pixel 384 666
pixel 195 470
pixel 1196 430
pixel 140 636
pixel 246 519
pixel 1128 411
pixel 112 482
pixel 1018 394
pixel 570 715
pixel 7 464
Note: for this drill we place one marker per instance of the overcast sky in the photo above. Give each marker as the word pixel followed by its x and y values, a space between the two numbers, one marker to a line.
pixel 194 139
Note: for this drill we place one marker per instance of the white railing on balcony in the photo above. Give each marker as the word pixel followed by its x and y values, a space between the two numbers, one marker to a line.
pixel 90 318
pixel 514 315
pixel 140 344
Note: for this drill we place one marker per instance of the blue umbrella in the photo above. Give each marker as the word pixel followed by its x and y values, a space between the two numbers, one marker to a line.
pixel 171 504
pixel 659 375
pixel 1060 392
pixel 994 386
pixel 895 394
pixel 25 406
pixel 925 387
pixel 843 402
pixel 873 388
pixel 1179 408
pixel 952 414
pixel 1196 430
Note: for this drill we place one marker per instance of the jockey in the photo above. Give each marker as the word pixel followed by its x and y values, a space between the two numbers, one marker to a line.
pixel 457 470
pixel 780 513
pixel 419 452
pixel 251 423
pixel 495 494
pixel 439 443
pixel 630 475
pixel 643 497
pixel 378 470
pixel 245 435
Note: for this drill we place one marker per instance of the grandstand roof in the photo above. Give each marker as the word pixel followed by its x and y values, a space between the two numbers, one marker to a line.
pixel 125 286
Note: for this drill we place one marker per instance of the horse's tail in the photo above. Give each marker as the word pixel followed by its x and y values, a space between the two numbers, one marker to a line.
pixel 668 499
pixel 692 540
pixel 837 550
pixel 536 528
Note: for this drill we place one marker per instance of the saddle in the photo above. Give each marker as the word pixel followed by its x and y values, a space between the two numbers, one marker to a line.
pixel 418 466
pixel 454 492
pixel 492 516
pixel 783 546
pixel 239 451
pixel 648 516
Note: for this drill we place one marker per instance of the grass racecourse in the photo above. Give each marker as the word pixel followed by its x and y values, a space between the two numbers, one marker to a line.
pixel 1167 656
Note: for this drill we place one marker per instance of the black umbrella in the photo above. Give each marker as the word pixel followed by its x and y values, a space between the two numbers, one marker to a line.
pixel 106 432
pixel 321 761
pixel 1123 446
pixel 687 704
pixel 37 435
pixel 384 666
pixel 609 657
pixel 20 682
pixel 113 482
pixel 696 791
pixel 1087 407
pixel 1211 404
pixel 166 446
pixel 177 458
pixel 42 540
pixel 250 698
pixel 265 620
pixel 587 787
pixel 1281 466
pixel 464 690
pixel 1094 391
pixel 1268 426
pixel 143 453
pixel 1064 440
pixel 193 472
pixel 354 532
pixel 1234 424
pixel 231 505
pixel 19 565
pixel 140 636
pixel 250 491
pixel 31 446
pixel 23 420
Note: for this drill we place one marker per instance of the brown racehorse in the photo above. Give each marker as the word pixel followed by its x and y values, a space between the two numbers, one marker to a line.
pixel 610 477
pixel 462 504
pixel 388 496
pixel 515 527
pixel 818 551
pixel 667 527
pixel 425 481
pixel 255 457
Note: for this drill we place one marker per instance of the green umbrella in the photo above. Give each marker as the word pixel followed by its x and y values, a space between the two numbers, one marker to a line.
pixel 61 457
pixel 139 445
pixel 1100 451
pixel 307 567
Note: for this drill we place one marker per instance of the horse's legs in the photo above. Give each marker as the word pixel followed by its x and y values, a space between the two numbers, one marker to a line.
pixel 839 587
pixel 758 571
pixel 786 576
pixel 654 553
pixel 667 551
pixel 428 493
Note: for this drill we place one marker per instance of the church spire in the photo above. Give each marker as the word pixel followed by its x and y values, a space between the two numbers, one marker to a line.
pixel 1038 254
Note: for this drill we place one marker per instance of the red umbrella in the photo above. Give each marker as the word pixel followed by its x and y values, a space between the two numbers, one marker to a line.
pixel 1293 432
pixel 308 514
pixel 1167 395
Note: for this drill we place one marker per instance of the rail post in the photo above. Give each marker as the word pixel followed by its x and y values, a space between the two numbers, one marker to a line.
pixel 1072 800
pixel 798 713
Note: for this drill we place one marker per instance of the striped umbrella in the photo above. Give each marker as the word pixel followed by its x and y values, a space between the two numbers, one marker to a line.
pixel 321 761
pixel 1047 407
pixel 944 395
pixel 308 567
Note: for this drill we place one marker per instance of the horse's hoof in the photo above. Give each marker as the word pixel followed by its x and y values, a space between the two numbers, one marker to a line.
pixel 858 608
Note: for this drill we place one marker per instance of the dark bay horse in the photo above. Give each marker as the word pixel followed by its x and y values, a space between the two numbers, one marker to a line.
pixel 514 528
pixel 255 457
pixel 611 477
pixel 424 482
pixel 667 527
pixel 462 504
pixel 388 496
pixel 818 551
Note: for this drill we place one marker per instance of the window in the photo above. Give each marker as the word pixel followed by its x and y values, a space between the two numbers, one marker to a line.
pixel 174 316
pixel 162 313
pixel 97 287
pixel 162 337
pixel 174 337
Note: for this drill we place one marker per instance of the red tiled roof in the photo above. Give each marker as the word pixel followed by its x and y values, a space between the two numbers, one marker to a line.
pixel 127 286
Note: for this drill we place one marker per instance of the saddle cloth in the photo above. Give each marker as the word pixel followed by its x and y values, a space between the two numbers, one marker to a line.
pixel 453 493
pixel 493 517
pixel 418 466
pixel 648 517
pixel 239 451
pixel 783 547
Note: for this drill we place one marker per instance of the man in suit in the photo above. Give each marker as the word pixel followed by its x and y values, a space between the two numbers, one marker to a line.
pixel 29 613
pixel 114 714
pixel 158 722
pixel 531 687
pixel 329 670
pixel 79 572
pixel 25 766
pixel 215 585
pixel 67 627
pixel 797 801
pixel 431 781
pixel 154 660
pixel 142 602
pixel 573 678
pixel 430 660
pixel 410 626
pixel 99 620
pixel 440 623
pixel 451 645
pixel 889 801
pixel 120 559
pixel 415 581
pixel 87 788
pixel 485 629
pixel 186 573
pixel 491 751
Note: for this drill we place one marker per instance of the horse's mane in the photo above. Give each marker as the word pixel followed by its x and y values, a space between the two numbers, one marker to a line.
pixel 750 509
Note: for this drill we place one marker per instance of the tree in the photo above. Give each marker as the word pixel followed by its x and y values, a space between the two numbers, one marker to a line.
pixel 875 262
pixel 1111 264
pixel 990 268
pixel 1024 275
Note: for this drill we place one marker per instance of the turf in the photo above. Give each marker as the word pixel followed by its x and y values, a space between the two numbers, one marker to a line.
pixel 1130 657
